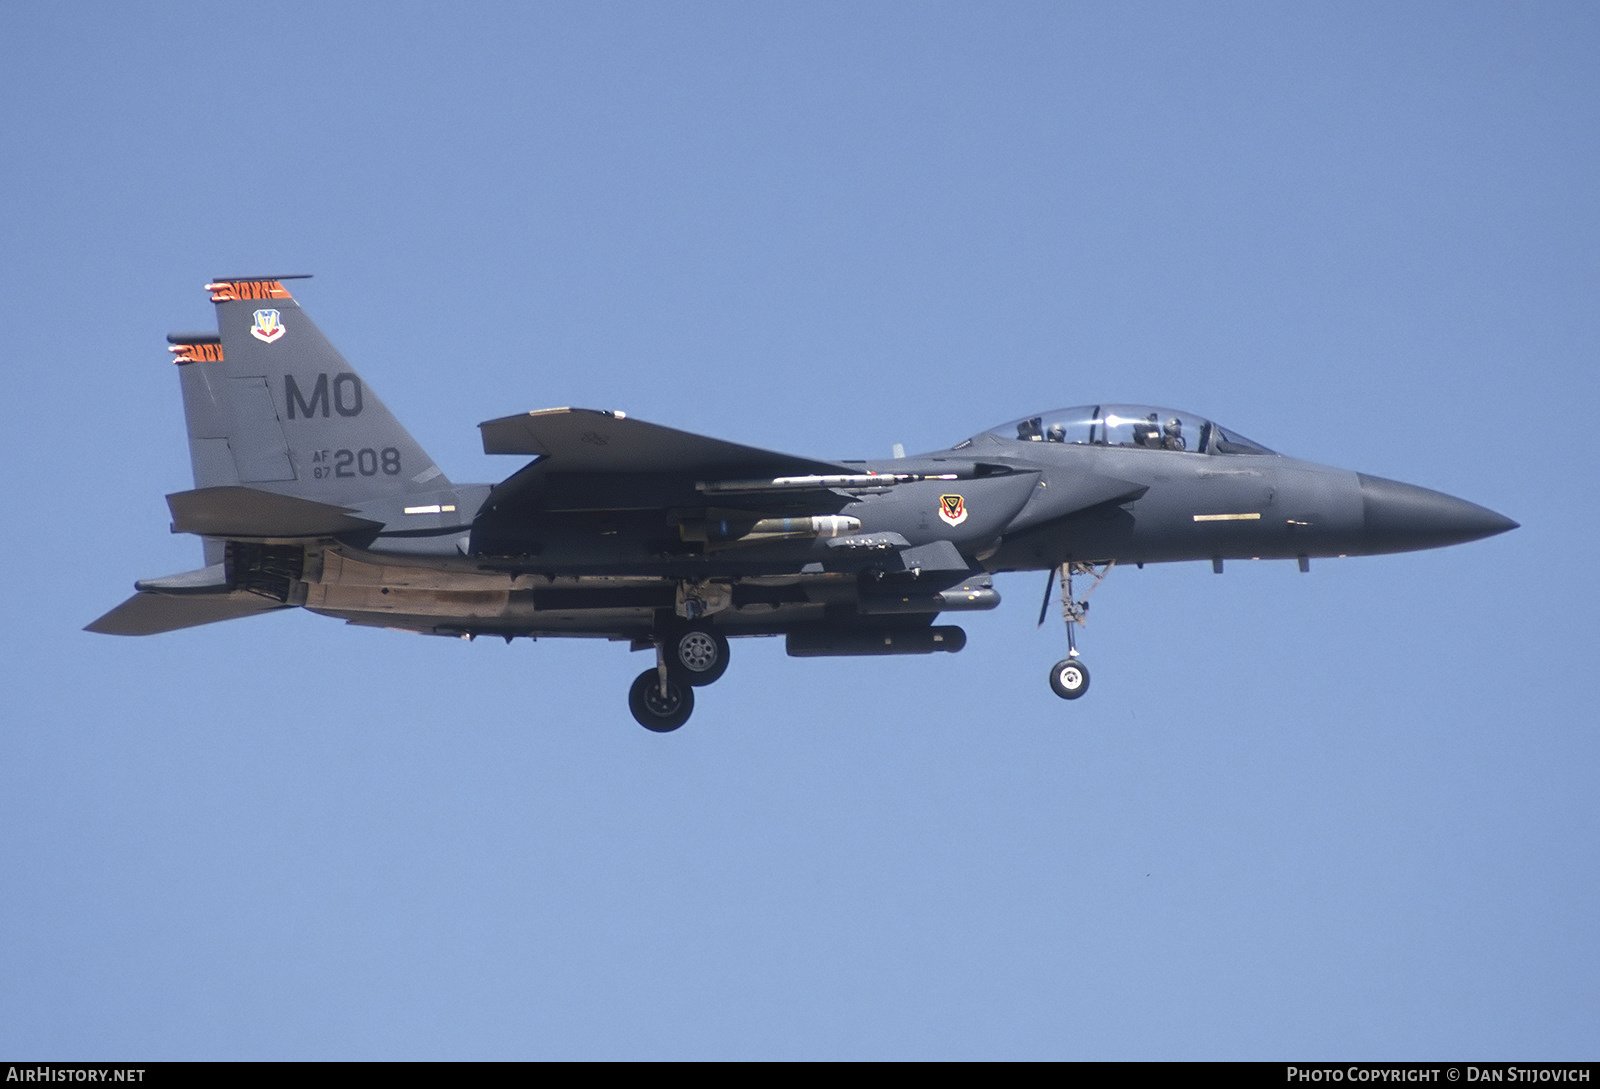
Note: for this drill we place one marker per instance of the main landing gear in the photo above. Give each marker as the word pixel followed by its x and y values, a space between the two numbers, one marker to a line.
pixel 660 700
pixel 1069 678
pixel 700 653
pixel 688 656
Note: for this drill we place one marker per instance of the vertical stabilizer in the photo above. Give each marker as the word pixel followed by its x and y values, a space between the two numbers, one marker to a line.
pixel 271 405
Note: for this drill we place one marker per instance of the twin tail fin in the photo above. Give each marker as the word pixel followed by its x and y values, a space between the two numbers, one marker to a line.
pixel 284 439
pixel 270 404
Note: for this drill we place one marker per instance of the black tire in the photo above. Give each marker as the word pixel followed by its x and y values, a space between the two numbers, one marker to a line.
pixel 699 654
pixel 655 712
pixel 1069 678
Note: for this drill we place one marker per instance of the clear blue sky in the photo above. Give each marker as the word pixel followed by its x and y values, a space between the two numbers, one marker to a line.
pixel 1343 814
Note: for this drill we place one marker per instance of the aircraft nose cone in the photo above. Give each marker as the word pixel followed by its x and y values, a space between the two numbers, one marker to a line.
pixel 1402 517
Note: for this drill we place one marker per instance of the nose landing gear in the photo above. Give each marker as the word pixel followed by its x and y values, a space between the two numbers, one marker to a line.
pixel 1069 678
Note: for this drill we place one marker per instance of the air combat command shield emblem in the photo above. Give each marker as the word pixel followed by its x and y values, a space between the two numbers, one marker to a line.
pixel 267 327
pixel 953 509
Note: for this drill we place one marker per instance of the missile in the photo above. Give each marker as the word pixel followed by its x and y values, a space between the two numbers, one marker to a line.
pixel 760 530
pixel 816 483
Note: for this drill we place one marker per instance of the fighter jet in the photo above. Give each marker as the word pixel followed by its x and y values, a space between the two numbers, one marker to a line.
pixel 308 493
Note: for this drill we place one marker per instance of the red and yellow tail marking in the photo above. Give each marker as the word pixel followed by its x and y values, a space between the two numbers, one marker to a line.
pixel 196 353
pixel 249 290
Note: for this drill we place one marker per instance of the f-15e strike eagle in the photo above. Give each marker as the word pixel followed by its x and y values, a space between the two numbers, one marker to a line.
pixel 309 493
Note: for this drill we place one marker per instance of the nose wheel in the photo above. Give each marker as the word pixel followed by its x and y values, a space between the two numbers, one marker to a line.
pixel 1069 678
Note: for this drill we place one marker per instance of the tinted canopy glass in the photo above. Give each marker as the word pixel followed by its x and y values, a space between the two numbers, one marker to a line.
pixel 1137 426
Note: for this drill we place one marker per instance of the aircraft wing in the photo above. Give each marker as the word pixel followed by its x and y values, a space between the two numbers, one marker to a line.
pixel 586 440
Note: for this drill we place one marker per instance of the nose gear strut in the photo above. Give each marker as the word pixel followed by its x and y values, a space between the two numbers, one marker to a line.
pixel 1069 678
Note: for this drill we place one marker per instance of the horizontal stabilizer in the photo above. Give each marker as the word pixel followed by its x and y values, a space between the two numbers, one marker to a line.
pixel 591 440
pixel 151 614
pixel 207 580
pixel 232 511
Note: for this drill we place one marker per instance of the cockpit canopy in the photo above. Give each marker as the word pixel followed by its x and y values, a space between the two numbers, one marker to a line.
pixel 1139 426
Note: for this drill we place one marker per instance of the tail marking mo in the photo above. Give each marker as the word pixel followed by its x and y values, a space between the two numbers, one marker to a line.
pixel 346 396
